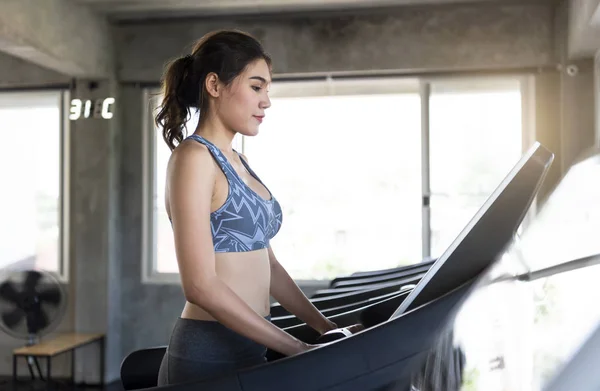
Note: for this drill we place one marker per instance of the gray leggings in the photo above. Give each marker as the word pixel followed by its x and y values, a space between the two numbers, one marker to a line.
pixel 201 349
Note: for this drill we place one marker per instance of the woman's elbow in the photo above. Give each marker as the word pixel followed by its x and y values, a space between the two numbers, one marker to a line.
pixel 192 297
pixel 199 294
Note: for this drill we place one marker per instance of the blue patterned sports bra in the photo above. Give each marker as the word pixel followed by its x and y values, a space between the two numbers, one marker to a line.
pixel 246 221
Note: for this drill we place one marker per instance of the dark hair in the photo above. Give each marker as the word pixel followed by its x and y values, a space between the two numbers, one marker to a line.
pixel 226 53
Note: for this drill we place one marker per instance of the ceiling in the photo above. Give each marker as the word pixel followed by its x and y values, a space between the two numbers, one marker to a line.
pixel 122 10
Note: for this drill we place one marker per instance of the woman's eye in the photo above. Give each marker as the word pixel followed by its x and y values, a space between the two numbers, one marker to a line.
pixel 256 88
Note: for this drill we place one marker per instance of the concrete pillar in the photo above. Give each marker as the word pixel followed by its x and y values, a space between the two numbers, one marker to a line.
pixel 95 268
pixel 577 110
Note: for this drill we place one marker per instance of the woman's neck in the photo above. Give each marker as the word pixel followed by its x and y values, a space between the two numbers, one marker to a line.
pixel 216 133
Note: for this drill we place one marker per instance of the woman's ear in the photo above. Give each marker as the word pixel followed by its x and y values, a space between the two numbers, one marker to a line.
pixel 212 85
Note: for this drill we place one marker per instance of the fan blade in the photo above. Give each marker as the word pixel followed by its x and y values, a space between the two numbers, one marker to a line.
pixel 50 295
pixel 9 293
pixel 37 320
pixel 33 277
pixel 11 319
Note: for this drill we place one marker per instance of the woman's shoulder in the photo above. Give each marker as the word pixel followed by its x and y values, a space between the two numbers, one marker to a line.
pixel 190 155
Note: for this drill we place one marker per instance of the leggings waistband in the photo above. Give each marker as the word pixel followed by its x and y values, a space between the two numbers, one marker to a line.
pixel 211 341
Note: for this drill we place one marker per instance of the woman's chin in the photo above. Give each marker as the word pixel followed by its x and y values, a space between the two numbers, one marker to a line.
pixel 249 132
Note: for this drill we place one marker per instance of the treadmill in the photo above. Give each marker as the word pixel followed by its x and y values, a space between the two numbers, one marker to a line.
pixel 396 341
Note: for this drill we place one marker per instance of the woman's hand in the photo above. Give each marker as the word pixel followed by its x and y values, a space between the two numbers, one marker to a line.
pixel 330 326
pixel 355 328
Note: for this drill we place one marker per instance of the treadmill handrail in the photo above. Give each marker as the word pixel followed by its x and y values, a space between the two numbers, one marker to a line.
pixel 402 281
pixel 377 273
pixel 370 300
pixel 380 279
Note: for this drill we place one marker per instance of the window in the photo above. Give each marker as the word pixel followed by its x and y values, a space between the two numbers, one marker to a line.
pixel 344 159
pixel 32 202
pixel 345 164
pixel 476 136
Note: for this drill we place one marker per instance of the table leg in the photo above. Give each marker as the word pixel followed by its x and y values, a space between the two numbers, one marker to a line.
pixel 48 372
pixel 37 365
pixel 14 368
pixel 73 367
pixel 29 359
pixel 102 361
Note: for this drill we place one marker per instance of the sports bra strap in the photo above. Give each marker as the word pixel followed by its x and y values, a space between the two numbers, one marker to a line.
pixel 215 152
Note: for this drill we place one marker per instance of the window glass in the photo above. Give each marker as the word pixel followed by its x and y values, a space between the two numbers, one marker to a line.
pixel 30 200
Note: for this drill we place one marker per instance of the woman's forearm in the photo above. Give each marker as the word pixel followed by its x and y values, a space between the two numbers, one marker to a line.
pixel 285 290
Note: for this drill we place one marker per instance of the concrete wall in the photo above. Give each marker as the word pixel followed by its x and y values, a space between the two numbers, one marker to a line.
pixel 108 294
pixel 57 34
pixel 18 73
pixel 433 38
pixel 583 28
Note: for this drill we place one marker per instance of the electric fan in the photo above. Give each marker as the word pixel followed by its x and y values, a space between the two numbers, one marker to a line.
pixel 32 303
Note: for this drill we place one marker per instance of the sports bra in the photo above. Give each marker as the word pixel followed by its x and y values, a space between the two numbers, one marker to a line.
pixel 246 221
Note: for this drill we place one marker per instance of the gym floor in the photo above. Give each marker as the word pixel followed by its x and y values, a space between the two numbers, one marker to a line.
pixel 6 384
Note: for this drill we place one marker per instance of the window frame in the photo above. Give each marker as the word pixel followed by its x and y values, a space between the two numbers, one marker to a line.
pixel 597 96
pixel 149 229
pixel 65 254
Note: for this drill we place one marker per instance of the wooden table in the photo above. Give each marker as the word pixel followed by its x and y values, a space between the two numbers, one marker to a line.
pixel 62 343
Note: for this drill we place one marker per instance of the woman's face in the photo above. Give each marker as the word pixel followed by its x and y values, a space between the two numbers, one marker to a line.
pixel 242 105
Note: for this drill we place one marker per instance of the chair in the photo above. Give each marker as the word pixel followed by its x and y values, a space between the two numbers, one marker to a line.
pixel 139 368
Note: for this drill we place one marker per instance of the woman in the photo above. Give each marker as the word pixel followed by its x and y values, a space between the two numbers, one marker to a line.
pixel 223 216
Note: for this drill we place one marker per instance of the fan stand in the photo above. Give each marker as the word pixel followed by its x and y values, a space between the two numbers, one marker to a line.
pixel 31 360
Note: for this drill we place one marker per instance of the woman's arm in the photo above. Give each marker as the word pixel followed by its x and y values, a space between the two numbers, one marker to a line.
pixel 285 290
pixel 190 182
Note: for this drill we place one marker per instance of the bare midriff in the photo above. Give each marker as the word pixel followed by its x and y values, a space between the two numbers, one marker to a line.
pixel 248 274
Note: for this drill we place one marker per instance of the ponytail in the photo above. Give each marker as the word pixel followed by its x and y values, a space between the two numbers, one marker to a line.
pixel 180 93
